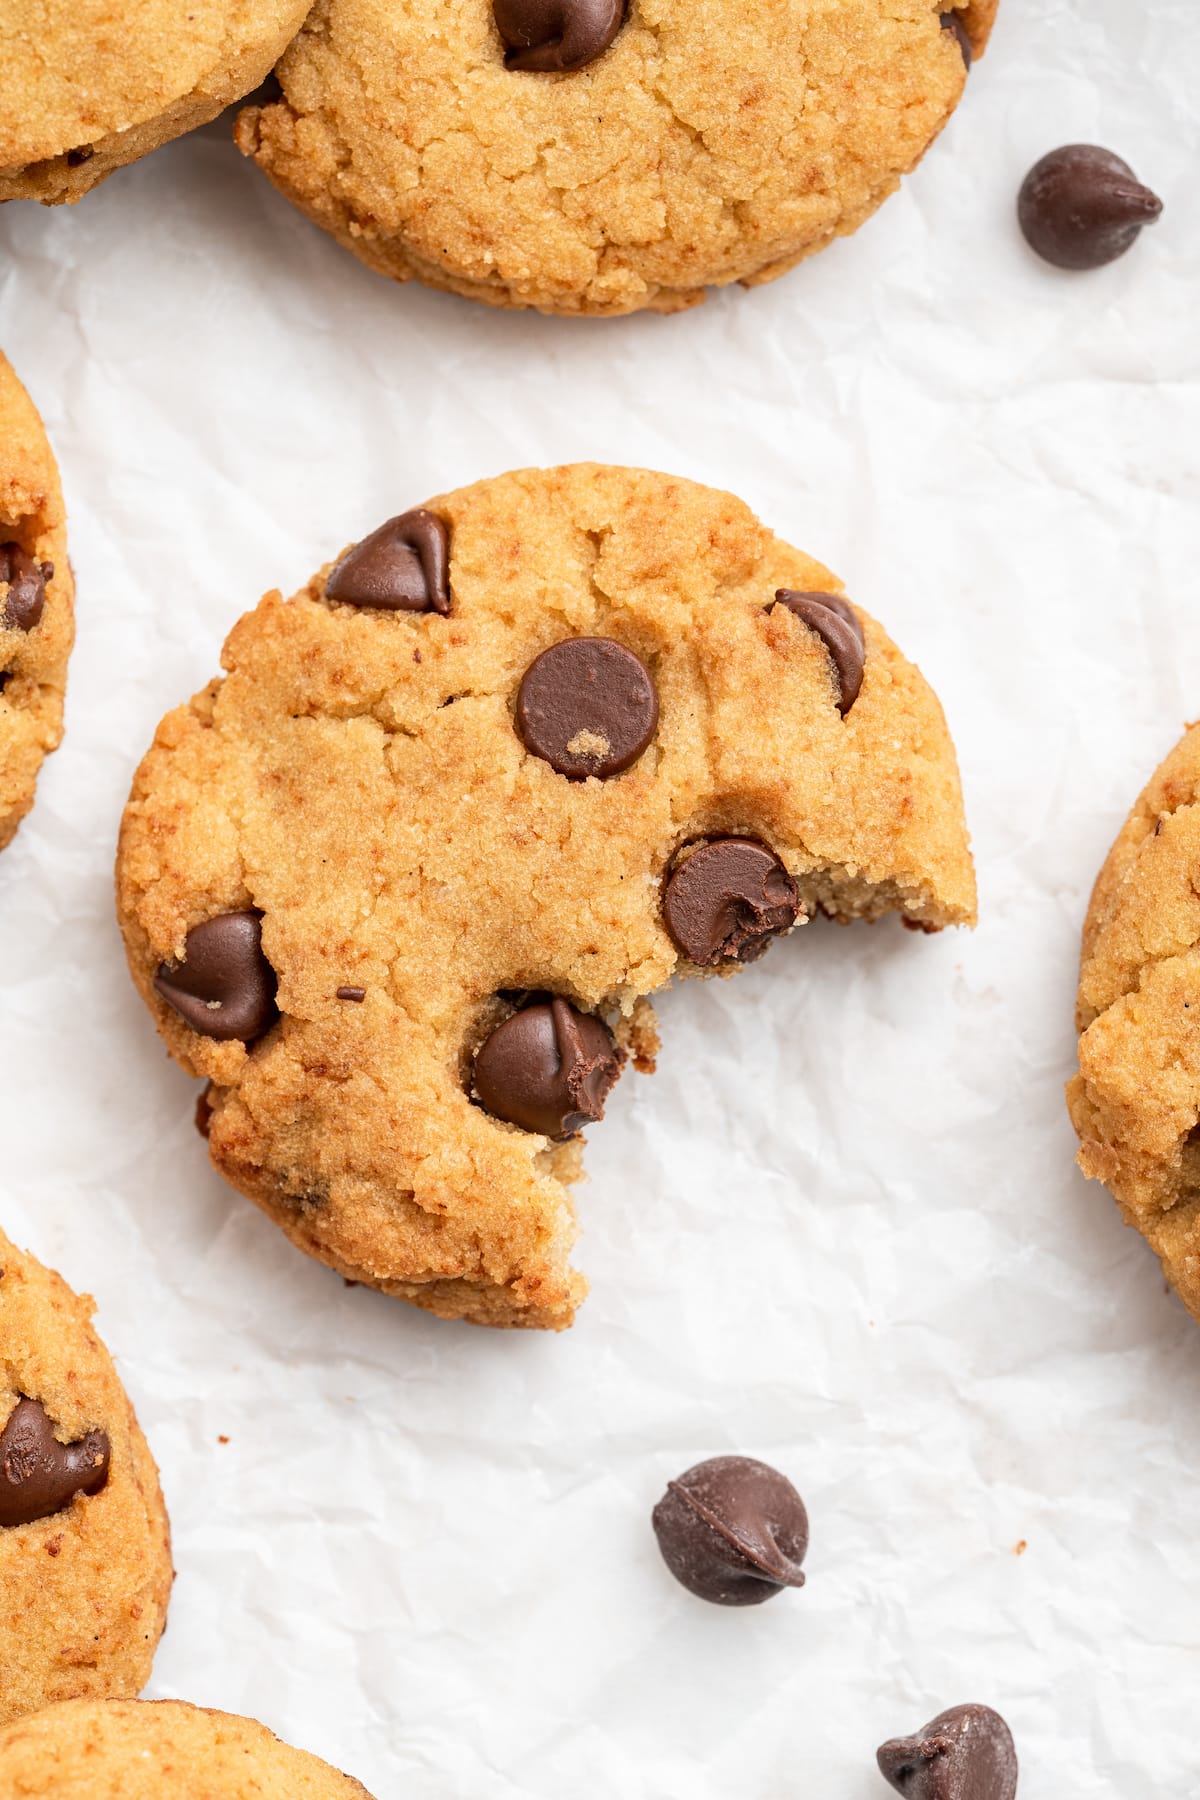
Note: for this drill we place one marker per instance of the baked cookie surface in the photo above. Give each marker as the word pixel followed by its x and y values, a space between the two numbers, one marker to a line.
pixel 89 86
pixel 85 1558
pixel 1135 1102
pixel 697 142
pixel 158 1750
pixel 399 884
pixel 37 619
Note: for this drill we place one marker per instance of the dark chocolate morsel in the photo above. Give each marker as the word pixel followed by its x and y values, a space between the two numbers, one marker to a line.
pixel 548 1068
pixel 26 581
pixel 966 1753
pixel 402 567
pixel 587 706
pixel 1081 207
pixel 727 900
pixel 38 1475
pixel 733 1531
pixel 836 624
pixel 224 987
pixel 351 993
pixel 556 36
pixel 953 21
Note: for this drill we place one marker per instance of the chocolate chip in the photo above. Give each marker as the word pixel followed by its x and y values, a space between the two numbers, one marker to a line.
pixel 556 36
pixel 26 587
pixel 204 1111
pixel 733 1531
pixel 964 1754
pixel 587 706
pixel 38 1475
pixel 351 993
pixel 727 900
pixel 548 1068
pixel 83 154
pixel 1081 207
pixel 836 624
pixel 953 21
pixel 224 987
pixel 402 567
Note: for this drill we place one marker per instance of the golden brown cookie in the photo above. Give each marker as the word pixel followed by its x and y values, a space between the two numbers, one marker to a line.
pixel 37 619
pixel 85 1556
pixel 89 87
pixel 158 1750
pixel 581 157
pixel 399 885
pixel 1136 1099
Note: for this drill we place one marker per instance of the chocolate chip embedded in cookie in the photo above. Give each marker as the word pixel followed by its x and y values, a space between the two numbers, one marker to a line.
pixel 966 1753
pixel 588 157
pixel 733 1530
pixel 85 1563
pixel 836 624
pixel 1082 207
pixel 402 567
pixel 37 625
pixel 465 851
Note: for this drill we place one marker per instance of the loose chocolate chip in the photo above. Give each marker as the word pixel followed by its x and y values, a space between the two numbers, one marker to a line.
pixel 556 36
pixel 953 21
pixel 964 1754
pixel 836 624
pixel 1081 207
pixel 587 706
pixel 733 1531
pixel 548 1068
pixel 351 993
pixel 38 1475
pixel 402 567
pixel 224 987
pixel 727 900
pixel 77 158
pixel 26 587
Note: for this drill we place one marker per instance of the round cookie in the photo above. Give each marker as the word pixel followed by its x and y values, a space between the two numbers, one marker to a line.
pixel 369 890
pixel 158 1750
pixel 1135 1102
pixel 85 1555
pixel 37 619
pixel 94 88
pixel 601 159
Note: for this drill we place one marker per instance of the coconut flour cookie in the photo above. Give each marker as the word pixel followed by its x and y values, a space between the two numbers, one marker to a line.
pixel 85 1560
pixel 89 86
pixel 37 621
pixel 399 884
pixel 1136 1099
pixel 584 156
pixel 158 1750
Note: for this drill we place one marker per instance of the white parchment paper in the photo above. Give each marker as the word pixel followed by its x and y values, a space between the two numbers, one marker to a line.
pixel 841 1228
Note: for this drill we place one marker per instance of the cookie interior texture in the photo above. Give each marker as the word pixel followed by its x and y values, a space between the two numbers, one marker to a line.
pixel 711 142
pixel 33 664
pixel 158 1750
pixel 1135 1102
pixel 85 1590
pixel 89 87
pixel 358 778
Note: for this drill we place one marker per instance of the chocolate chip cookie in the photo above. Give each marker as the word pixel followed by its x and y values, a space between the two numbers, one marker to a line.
pixel 1136 1099
pixel 399 885
pixel 37 620
pixel 88 87
pixel 85 1559
pixel 158 1750
pixel 592 156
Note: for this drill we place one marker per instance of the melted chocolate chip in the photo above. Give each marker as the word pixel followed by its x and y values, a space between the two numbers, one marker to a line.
pixel 402 567
pixel 953 22
pixel 727 900
pixel 26 581
pixel 733 1531
pixel 224 987
pixel 836 624
pixel 1081 207
pixel 38 1475
pixel 587 706
pixel 964 1754
pixel 548 1068
pixel 556 36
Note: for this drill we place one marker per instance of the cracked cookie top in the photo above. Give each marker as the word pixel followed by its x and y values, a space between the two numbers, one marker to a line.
pixel 399 884
pixel 586 157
